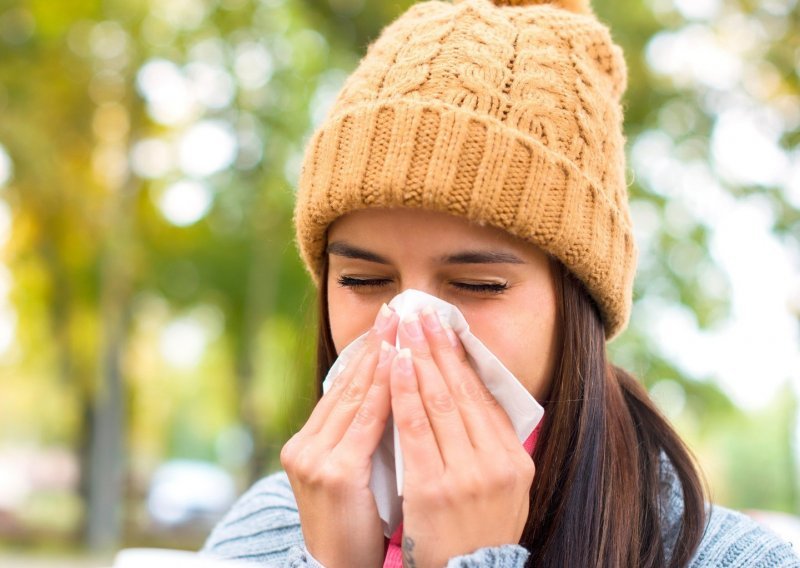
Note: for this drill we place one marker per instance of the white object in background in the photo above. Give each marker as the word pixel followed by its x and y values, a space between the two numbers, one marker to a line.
pixel 165 558
pixel 185 491
pixel 387 461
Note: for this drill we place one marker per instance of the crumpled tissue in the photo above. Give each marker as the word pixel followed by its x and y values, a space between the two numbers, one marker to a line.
pixel 525 413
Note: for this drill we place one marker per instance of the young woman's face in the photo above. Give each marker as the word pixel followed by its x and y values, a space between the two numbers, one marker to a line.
pixel 502 285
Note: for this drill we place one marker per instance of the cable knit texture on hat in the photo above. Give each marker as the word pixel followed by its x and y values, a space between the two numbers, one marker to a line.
pixel 505 114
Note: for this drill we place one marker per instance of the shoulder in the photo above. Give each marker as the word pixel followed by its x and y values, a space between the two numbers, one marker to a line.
pixel 730 538
pixel 262 526
pixel 734 539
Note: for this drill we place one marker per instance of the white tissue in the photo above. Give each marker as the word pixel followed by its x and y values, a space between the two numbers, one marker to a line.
pixel 525 413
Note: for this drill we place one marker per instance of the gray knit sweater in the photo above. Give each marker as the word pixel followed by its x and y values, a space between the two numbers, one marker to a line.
pixel 264 527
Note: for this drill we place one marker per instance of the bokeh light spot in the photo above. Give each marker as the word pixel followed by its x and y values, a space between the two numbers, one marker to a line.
pixel 253 65
pixel 108 40
pixel 5 233
pixel 181 14
pixel 182 343
pixel 184 340
pixel 8 316
pixel 206 148
pixel 746 149
pixel 698 9
pixel 212 85
pixel 5 166
pixel 185 202
pixel 152 158
pixel 669 396
pixel 167 92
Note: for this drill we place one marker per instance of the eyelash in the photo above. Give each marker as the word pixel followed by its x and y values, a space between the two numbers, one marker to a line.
pixel 349 282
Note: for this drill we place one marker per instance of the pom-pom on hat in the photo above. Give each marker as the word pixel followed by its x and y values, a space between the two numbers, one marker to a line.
pixel 505 113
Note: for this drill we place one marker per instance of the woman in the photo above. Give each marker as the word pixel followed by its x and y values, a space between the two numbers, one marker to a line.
pixel 476 154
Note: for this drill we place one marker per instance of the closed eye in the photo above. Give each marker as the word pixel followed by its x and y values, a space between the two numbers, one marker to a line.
pixel 376 283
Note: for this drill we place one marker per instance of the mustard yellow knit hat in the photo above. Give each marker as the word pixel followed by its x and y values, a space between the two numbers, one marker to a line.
pixel 505 113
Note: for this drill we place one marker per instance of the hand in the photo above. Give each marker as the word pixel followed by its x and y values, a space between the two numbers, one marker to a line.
pixel 328 461
pixel 467 476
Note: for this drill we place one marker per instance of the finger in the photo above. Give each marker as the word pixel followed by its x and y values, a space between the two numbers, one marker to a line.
pixel 350 399
pixel 369 422
pixel 353 382
pixel 440 406
pixel 421 455
pixel 485 420
pixel 313 447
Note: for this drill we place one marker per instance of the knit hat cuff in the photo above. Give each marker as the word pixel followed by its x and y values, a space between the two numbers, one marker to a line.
pixel 410 153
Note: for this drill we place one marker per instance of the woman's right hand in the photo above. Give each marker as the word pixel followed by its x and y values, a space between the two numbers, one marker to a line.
pixel 329 460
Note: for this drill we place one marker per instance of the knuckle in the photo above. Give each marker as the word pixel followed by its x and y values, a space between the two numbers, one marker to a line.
pixel 501 478
pixel 442 402
pixel 301 467
pixel 525 466
pixel 473 388
pixel 415 423
pixel 506 477
pixel 337 383
pixel 373 342
pixel 439 340
pixel 315 478
pixel 423 354
pixel 528 471
pixel 287 459
pixel 470 389
pixel 365 417
pixel 461 356
pixel 487 397
pixel 289 452
pixel 354 392
pixel 332 477
pixel 434 496
pixel 470 487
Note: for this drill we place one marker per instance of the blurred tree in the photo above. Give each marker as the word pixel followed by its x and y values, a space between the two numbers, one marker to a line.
pixel 70 195
pixel 93 226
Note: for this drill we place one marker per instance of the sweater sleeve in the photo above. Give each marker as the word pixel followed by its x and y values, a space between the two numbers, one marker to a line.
pixel 508 556
pixel 735 540
pixel 262 527
pixel 731 539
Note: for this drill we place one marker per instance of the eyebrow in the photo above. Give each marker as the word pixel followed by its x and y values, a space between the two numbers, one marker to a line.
pixel 340 248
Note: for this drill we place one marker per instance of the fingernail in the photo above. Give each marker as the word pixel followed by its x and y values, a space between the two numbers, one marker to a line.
pixel 404 362
pixel 451 335
pixel 413 327
pixel 384 316
pixel 431 318
pixel 386 353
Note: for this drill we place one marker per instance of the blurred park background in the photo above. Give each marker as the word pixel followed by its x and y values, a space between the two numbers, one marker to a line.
pixel 156 325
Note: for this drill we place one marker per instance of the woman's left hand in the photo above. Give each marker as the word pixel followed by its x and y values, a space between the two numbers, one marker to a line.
pixel 466 475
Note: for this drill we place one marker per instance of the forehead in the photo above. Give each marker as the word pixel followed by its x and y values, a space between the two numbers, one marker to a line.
pixel 413 224
pixel 403 231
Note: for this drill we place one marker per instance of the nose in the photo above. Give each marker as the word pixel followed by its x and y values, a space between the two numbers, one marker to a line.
pixel 427 285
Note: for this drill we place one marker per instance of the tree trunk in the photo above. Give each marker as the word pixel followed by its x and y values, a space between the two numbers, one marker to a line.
pixel 259 302
pixel 106 459
pixel 107 455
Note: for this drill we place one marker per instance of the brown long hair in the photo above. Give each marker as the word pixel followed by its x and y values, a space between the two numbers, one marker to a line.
pixel 595 498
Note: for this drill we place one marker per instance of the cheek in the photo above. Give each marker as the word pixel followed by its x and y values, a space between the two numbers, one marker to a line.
pixel 524 340
pixel 348 317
